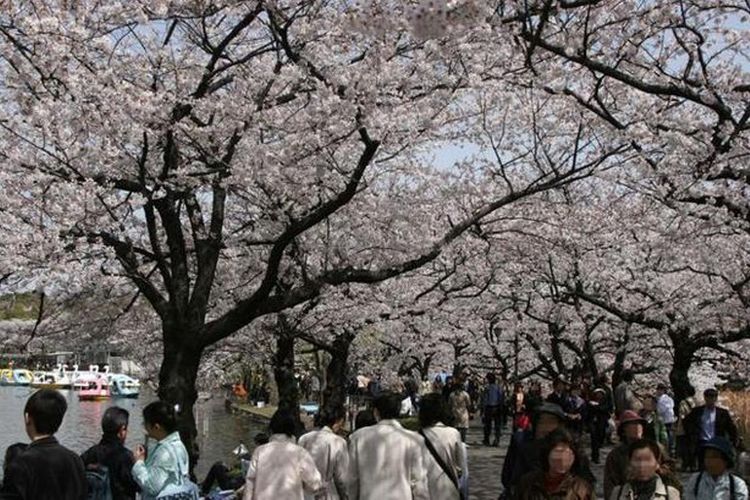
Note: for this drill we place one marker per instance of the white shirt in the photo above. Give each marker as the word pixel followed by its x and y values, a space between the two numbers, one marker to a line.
pixel 447 442
pixel 386 463
pixel 715 489
pixel 708 424
pixel 281 470
pixel 331 456
pixel 665 409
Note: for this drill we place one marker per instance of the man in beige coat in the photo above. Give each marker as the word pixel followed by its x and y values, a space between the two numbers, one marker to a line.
pixel 330 454
pixel 386 460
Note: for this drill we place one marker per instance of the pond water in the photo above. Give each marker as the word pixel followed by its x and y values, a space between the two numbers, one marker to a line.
pixel 219 431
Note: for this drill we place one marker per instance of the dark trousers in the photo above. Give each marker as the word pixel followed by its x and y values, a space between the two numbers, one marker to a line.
pixel 670 438
pixel 598 434
pixel 492 415
pixel 463 431
pixel 685 452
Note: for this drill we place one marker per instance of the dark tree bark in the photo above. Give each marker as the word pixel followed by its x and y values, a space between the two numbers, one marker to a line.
pixel 678 375
pixel 334 394
pixel 283 370
pixel 177 386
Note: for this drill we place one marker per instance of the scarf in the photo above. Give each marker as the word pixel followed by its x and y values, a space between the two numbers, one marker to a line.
pixel 644 490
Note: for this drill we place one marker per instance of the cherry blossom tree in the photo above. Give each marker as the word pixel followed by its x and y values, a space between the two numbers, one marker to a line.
pixel 209 153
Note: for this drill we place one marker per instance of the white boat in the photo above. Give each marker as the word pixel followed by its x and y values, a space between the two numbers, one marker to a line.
pixel 83 379
pixel 57 379
pixel 123 386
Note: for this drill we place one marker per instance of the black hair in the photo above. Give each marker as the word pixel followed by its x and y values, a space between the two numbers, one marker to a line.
pixel 388 405
pixel 329 416
pixel 642 444
pixel 562 436
pixel 46 408
pixel 283 422
pixel 114 419
pixel 491 378
pixel 365 418
pixel 627 376
pixel 432 409
pixel 162 413
pixel 11 453
pixel 260 438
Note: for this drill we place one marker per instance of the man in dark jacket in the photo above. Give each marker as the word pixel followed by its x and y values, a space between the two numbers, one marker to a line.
pixel 708 421
pixel 46 470
pixel 112 454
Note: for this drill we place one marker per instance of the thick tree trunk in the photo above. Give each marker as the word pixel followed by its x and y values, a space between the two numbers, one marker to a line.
pixel 678 375
pixel 334 394
pixel 177 386
pixel 283 373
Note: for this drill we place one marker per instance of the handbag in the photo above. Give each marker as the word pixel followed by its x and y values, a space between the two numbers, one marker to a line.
pixel 448 470
pixel 184 490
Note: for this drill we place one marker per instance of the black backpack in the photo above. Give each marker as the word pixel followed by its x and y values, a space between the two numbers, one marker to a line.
pixel 99 487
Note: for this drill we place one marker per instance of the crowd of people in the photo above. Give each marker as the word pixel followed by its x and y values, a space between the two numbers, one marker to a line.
pixel 382 460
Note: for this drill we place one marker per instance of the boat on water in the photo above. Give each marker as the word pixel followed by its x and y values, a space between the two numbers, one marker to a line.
pixel 97 390
pixel 18 377
pixel 57 379
pixel 82 379
pixel 122 386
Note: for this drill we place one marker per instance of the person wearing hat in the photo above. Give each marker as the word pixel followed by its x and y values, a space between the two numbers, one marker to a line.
pixel 714 481
pixel 708 421
pixel 523 454
pixel 597 415
pixel 629 431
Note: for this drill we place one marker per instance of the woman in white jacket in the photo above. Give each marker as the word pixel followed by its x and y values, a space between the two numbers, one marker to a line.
pixel 444 453
pixel 281 469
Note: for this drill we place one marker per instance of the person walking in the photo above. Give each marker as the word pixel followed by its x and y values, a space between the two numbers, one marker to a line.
pixel 644 483
pixel 45 470
pixel 665 410
pixel 330 454
pixel 715 481
pixel 629 430
pixel 445 454
pixel 460 407
pixel 598 413
pixel 164 465
pixel 708 420
pixel 561 475
pixel 654 428
pixel 560 395
pixel 625 398
pixel 111 453
pixel 523 455
pixel 493 402
pixel 682 440
pixel 386 461
pixel 281 469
